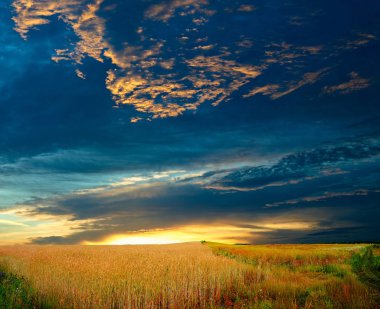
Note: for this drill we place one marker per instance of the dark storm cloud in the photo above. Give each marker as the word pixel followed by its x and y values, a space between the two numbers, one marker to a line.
pixel 300 166
pixel 121 209
pixel 322 219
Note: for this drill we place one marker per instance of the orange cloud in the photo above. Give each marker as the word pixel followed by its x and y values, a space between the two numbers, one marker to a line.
pixel 160 96
pixel 80 17
pixel 168 96
pixel 273 90
pixel 147 81
pixel 167 9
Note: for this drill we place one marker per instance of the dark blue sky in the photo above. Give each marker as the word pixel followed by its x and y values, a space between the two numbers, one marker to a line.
pixel 249 121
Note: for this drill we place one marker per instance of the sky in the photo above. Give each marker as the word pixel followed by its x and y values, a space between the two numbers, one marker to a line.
pixel 150 121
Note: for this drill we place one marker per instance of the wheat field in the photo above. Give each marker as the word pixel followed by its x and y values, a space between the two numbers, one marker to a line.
pixel 165 276
pixel 188 276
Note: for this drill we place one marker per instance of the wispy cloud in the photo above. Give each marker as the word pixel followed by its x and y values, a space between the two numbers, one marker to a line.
pixel 276 91
pixel 325 196
pixel 9 222
pixel 354 84
pixel 167 9
pixel 361 39
pixel 246 8
pixel 296 168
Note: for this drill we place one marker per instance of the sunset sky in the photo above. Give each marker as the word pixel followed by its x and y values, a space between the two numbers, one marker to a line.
pixel 150 121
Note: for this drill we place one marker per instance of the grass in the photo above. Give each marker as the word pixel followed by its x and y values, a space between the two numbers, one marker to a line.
pixel 309 276
pixel 367 266
pixel 15 292
pixel 207 275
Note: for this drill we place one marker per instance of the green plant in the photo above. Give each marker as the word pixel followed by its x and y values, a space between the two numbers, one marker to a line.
pixel 331 269
pixel 15 292
pixel 367 266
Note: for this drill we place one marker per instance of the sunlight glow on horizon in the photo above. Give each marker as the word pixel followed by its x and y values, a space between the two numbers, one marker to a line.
pixel 189 233
pixel 193 233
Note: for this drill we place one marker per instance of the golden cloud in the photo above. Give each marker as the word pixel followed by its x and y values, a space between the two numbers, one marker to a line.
pixel 211 79
pixel 167 9
pixel 145 76
pixel 274 91
pixel 81 17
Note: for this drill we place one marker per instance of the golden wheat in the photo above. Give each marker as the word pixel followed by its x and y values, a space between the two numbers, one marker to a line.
pixel 190 276
pixel 166 276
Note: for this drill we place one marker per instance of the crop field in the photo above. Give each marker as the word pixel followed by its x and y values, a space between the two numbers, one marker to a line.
pixel 193 275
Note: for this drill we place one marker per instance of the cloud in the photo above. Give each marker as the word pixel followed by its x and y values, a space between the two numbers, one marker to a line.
pixel 17 227
pixel 265 90
pixel 308 79
pixel 177 199
pixel 68 157
pixel 208 79
pixel 220 69
pixel 296 168
pixel 230 188
pixel 160 95
pixel 285 54
pixel 177 212
pixel 158 76
pixel 80 74
pixel 81 17
pixel 275 91
pixel 166 10
pixel 325 196
pixel 13 223
pixel 245 43
pixel 354 84
pixel 30 13
pixel 246 8
pixel 362 39
pixel 122 214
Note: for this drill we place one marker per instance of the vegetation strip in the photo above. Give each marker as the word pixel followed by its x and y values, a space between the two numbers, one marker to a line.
pixel 367 266
pixel 332 272
pixel 15 292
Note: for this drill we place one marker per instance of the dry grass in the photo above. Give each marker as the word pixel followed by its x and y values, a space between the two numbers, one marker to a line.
pixel 167 276
pixel 303 276
pixel 191 276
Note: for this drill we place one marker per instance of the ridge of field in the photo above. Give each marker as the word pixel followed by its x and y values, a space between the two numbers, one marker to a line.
pixel 189 275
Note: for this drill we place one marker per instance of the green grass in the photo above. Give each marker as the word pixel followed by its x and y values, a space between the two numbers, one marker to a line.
pixel 367 266
pixel 15 292
pixel 331 269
